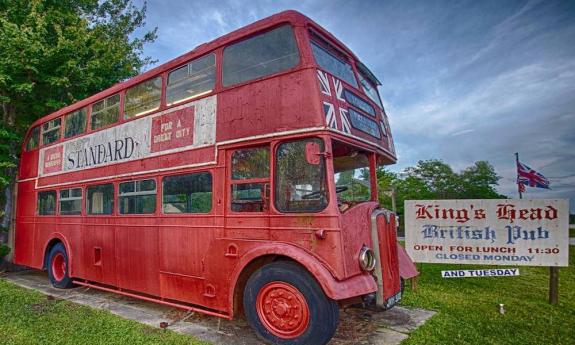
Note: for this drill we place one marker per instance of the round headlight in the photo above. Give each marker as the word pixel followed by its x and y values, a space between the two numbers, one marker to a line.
pixel 367 259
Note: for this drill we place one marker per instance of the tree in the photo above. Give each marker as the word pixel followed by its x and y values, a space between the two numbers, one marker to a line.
pixel 438 177
pixel 434 179
pixel 478 182
pixel 55 53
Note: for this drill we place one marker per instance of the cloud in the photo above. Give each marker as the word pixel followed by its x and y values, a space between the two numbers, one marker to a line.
pixel 462 81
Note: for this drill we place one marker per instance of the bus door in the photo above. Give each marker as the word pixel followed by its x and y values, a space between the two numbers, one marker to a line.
pixel 248 188
pixel 98 233
pixel 137 236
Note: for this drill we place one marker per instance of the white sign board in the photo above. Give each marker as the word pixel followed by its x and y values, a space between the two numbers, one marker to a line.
pixel 488 232
pixel 499 272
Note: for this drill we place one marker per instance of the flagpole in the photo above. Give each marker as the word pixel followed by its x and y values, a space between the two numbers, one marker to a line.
pixel 517 165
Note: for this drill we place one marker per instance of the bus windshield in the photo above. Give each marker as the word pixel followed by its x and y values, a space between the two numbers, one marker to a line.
pixel 352 175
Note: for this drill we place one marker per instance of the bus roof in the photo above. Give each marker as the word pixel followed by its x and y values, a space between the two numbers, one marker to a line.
pixel 291 16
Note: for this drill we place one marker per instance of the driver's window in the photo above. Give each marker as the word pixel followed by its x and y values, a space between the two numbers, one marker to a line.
pixel 351 174
pixel 250 179
pixel 300 182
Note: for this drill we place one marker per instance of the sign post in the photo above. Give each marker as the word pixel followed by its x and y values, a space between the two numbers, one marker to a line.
pixel 553 285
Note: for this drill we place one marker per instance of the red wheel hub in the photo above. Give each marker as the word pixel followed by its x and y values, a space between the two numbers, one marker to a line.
pixel 282 309
pixel 59 266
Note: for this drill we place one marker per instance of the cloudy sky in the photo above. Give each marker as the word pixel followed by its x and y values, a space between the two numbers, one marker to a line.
pixel 462 80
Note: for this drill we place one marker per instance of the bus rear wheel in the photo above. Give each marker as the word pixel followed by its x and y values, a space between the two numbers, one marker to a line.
pixel 58 269
pixel 285 305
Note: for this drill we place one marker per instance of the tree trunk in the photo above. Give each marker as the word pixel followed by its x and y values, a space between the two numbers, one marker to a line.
pixel 9 118
pixel 7 218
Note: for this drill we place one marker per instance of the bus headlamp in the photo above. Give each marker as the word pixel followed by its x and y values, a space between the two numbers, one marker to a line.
pixel 367 259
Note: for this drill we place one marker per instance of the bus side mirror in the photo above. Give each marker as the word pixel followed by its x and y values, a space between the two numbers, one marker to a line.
pixel 312 153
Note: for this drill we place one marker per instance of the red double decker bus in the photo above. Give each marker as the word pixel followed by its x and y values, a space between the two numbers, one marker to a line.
pixel 237 178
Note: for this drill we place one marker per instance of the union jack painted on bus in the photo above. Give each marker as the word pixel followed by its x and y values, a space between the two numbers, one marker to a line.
pixel 529 177
pixel 345 125
pixel 338 89
pixel 329 111
pixel 324 83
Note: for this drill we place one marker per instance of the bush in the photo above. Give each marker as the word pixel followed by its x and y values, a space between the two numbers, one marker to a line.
pixel 4 250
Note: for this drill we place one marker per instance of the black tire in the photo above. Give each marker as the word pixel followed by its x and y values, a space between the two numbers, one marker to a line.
pixel 323 312
pixel 61 279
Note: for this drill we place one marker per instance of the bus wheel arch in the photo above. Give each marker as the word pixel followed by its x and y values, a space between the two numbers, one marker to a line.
pixel 257 258
pixel 50 244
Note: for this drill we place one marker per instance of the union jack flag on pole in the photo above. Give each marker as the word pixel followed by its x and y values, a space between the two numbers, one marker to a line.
pixel 529 177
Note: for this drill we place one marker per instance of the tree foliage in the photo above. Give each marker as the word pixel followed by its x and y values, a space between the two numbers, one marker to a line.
pixel 55 53
pixel 434 179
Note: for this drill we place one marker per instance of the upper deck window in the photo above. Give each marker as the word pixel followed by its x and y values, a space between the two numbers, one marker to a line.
pixel 51 131
pixel 105 112
pixel 358 102
pixel 364 124
pixel 259 56
pixel 75 123
pixel 34 139
pixel 334 65
pixel 370 89
pixel 143 98
pixel 192 80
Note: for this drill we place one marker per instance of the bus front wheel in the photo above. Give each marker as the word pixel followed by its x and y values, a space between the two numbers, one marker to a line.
pixel 285 305
pixel 58 269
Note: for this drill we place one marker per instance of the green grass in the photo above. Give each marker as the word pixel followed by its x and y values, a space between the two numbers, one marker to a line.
pixel 571 232
pixel 467 308
pixel 28 317
pixel 467 313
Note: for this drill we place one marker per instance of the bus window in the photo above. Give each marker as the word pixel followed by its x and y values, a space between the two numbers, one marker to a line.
pixel 100 199
pixel 47 203
pixel 143 98
pixel 364 123
pixel 75 123
pixel 358 102
pixel 300 181
pixel 192 80
pixel 259 56
pixel 249 165
pixel 334 65
pixel 71 201
pixel 105 112
pixel 51 131
pixel 190 193
pixel 34 139
pixel 351 174
pixel 370 90
pixel 138 197
pixel 369 83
